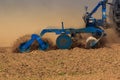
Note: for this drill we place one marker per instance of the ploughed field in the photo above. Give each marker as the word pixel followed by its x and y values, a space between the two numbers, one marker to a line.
pixel 74 64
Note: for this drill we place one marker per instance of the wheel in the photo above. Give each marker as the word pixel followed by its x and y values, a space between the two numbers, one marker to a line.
pixel 64 42
pixel 91 42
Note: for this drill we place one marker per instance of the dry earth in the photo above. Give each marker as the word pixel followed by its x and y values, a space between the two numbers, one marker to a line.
pixel 74 64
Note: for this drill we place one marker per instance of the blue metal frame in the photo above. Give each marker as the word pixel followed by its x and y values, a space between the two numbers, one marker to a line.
pixel 88 29
pixel 103 4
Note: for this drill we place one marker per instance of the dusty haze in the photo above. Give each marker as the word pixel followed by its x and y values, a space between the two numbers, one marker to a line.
pixel 20 17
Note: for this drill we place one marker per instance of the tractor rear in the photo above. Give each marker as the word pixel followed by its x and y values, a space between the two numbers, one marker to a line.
pixel 115 13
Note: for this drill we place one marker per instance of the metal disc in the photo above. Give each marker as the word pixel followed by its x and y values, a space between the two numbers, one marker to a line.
pixel 91 42
pixel 64 41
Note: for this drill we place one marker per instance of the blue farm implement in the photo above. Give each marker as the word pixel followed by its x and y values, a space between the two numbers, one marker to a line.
pixel 64 40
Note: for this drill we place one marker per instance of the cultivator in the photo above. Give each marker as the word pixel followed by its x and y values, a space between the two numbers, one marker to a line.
pixel 64 40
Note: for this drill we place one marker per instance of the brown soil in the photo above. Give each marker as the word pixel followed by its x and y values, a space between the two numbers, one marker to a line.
pixel 74 64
